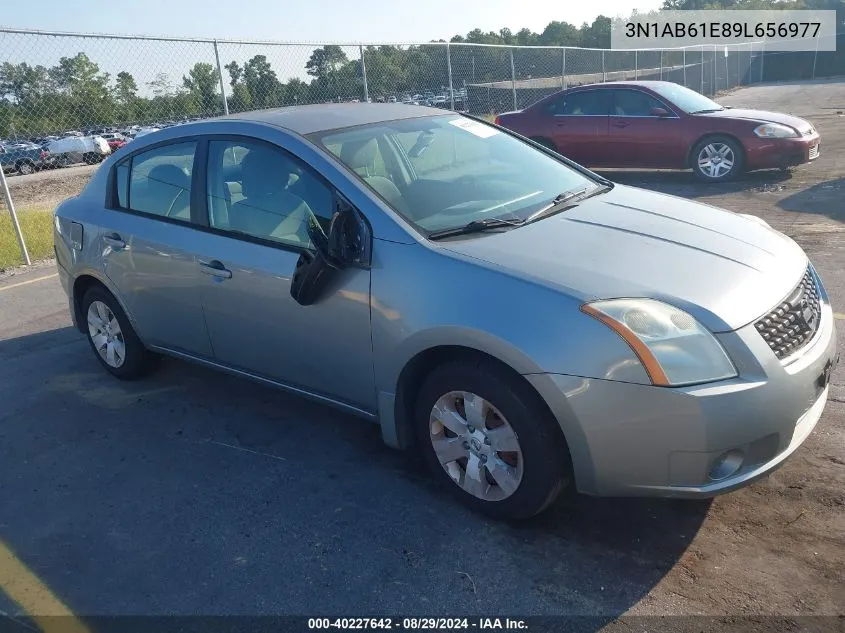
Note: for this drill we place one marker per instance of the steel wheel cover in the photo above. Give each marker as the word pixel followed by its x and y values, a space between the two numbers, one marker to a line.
pixel 106 335
pixel 716 160
pixel 476 445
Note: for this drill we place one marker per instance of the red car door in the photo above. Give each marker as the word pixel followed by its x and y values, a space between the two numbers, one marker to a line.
pixel 644 131
pixel 578 125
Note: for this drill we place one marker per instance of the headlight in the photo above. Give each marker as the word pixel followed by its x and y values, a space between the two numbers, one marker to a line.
pixel 775 130
pixel 673 347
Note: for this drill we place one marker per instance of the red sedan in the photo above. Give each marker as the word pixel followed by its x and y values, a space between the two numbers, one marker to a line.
pixel 659 124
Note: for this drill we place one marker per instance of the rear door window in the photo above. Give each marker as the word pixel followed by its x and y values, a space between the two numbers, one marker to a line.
pixel 582 103
pixel 158 181
pixel 634 103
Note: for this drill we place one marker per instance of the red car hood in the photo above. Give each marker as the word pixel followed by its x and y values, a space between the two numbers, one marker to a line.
pixel 761 115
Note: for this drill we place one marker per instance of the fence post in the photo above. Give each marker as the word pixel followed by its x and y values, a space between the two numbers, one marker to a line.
pixel 449 70
pixel 762 57
pixel 636 65
pixel 563 70
pixel 701 68
pixel 364 73
pixel 715 72
pixel 513 80
pixel 222 83
pixel 727 71
pixel 603 71
pixel 815 56
pixel 661 64
pixel 685 67
pixel 11 206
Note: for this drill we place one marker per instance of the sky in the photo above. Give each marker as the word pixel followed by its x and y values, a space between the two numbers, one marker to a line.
pixel 308 20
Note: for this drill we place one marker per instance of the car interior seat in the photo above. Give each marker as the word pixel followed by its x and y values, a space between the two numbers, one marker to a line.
pixel 360 157
pixel 267 208
pixel 168 189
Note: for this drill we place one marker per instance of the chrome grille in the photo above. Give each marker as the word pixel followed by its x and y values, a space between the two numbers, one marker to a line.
pixel 792 324
pixel 814 152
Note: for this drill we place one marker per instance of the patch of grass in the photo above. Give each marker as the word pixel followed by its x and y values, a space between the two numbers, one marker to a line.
pixel 37 229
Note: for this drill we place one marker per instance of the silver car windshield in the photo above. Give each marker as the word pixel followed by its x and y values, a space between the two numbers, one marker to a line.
pixel 447 171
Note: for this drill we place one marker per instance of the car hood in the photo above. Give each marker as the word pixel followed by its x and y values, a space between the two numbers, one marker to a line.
pixel 725 269
pixel 761 115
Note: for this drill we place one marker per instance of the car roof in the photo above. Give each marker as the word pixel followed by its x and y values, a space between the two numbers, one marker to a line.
pixel 610 84
pixel 307 119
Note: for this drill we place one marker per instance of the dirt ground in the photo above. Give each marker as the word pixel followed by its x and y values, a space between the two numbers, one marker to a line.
pixel 377 538
pixel 45 189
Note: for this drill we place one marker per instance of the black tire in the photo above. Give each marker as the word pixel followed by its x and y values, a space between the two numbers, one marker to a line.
pixel 26 167
pixel 137 361
pixel 736 150
pixel 545 143
pixel 90 158
pixel 546 464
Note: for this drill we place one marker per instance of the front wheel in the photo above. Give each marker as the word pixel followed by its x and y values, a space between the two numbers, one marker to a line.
pixel 717 159
pixel 25 168
pixel 489 441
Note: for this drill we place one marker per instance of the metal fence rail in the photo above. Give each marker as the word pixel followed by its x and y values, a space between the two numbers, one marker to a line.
pixel 55 84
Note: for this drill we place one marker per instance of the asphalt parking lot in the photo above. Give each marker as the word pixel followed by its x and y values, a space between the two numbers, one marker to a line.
pixel 191 492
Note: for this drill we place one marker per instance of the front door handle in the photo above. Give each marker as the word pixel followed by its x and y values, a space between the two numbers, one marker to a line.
pixel 620 124
pixel 114 240
pixel 216 268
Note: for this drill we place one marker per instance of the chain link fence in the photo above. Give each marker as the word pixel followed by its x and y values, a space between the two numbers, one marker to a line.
pixel 67 98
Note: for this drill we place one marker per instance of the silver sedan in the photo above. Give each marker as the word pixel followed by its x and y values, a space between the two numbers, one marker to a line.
pixel 525 324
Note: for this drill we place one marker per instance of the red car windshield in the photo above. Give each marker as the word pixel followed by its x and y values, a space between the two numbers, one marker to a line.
pixel 687 100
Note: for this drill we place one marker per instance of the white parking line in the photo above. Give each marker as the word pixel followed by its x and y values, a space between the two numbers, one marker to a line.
pixel 28 281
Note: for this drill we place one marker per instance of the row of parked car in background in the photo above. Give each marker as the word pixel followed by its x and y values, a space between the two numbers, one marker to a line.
pixel 89 146
pixel 429 98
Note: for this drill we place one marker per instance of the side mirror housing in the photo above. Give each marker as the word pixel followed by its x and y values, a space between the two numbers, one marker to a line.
pixel 348 244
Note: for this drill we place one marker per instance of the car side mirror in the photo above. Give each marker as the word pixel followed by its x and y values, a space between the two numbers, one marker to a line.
pixel 348 244
pixel 659 112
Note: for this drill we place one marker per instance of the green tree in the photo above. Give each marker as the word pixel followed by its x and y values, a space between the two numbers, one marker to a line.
pixel 126 90
pixel 262 83
pixel 22 82
pixel 325 60
pixel 201 83
pixel 560 34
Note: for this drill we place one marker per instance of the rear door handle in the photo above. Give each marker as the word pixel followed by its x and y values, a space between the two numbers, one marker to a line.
pixel 215 268
pixel 114 240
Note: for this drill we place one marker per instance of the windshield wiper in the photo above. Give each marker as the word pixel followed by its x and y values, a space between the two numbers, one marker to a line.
pixel 566 199
pixel 476 226
pixel 707 110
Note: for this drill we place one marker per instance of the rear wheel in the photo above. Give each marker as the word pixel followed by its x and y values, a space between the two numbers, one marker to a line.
pixel 717 159
pixel 90 158
pixel 112 337
pixel 486 438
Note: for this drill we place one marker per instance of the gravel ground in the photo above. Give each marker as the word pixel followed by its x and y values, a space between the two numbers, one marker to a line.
pixel 197 493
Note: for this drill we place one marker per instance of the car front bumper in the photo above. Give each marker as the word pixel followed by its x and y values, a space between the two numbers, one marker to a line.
pixel 782 152
pixel 628 439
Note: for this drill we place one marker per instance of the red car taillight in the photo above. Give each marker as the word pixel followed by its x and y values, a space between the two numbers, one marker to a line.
pixel 497 121
pixel 44 154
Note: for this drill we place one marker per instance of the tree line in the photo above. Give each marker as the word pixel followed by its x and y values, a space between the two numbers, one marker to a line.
pixel 75 93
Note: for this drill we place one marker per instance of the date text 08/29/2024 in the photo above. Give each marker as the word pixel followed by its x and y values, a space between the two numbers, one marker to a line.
pixel 417 624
